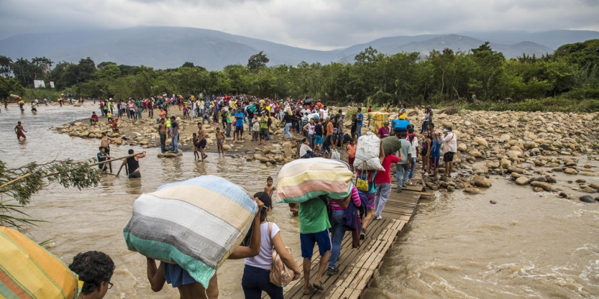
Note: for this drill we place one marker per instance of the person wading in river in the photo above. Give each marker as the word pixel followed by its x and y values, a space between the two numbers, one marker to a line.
pixel 202 140
pixel 19 130
pixel 105 143
pixel 133 164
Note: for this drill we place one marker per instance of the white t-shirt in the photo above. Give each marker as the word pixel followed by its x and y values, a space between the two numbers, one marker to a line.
pixel 414 146
pixel 304 149
pixel 264 258
pixel 450 143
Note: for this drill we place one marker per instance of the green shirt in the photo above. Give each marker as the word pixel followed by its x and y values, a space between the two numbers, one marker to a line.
pixel 264 122
pixel 313 216
pixel 228 117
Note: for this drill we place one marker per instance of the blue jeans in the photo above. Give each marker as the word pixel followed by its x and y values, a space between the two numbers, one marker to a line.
pixel 402 173
pixel 286 130
pixel 382 195
pixel 228 130
pixel 308 155
pixel 412 168
pixel 337 233
pixel 311 140
pixel 250 123
pixel 175 142
pixel 359 131
pixel 256 280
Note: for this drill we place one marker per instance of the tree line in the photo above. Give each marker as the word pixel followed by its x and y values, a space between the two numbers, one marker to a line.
pixel 480 74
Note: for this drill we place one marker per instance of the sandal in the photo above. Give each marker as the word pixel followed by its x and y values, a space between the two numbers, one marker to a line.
pixel 312 291
pixel 319 287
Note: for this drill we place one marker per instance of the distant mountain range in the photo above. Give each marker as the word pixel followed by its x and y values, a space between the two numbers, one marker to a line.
pixel 169 47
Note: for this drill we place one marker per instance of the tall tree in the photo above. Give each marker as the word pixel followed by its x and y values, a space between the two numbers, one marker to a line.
pixel 257 61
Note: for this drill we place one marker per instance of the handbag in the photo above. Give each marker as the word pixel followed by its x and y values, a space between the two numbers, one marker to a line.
pixel 280 274
pixel 336 155
pixel 362 181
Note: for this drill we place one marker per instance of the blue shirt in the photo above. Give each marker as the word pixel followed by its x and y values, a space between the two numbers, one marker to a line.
pixel 360 118
pixel 436 148
pixel 239 121
pixel 102 157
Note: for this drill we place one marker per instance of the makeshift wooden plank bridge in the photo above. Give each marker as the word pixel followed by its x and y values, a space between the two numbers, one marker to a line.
pixel 358 266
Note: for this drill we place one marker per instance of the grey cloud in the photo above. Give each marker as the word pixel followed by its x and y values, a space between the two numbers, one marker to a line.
pixel 322 24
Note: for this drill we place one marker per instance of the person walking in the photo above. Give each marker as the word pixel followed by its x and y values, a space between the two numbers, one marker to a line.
pixel 382 182
pixel 403 166
pixel 338 229
pixel 256 274
pixel 314 229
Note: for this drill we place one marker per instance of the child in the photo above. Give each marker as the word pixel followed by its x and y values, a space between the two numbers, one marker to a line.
pixel 255 128
pixel 103 156
pixel 196 155
pixel 351 153
pixel 109 115
pixel 269 188
pixel 220 137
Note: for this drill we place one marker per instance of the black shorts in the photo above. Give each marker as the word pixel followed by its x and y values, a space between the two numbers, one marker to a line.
pixel 202 144
pixel 448 157
pixel 239 129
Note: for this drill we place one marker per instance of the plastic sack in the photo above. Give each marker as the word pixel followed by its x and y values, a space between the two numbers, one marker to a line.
pixel 335 155
pixel 194 223
pixel 27 270
pixel 367 153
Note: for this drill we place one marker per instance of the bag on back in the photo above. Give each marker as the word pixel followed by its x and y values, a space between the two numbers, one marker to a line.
pixel 27 270
pixel 280 274
pixel 194 223
pixel 367 153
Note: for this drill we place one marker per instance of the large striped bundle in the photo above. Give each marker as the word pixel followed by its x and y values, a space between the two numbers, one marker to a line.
pixel 304 179
pixel 377 119
pixel 194 223
pixel 29 271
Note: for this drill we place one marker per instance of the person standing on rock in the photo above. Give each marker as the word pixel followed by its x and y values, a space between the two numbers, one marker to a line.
pixel 450 147
pixel 202 140
pixel 162 133
pixel 263 127
pixel 403 166
pixel 133 164
pixel 174 134
pixel 360 120
pixel 428 119
pixel 435 154
pixel 19 131
pixel 288 119
pixel 239 120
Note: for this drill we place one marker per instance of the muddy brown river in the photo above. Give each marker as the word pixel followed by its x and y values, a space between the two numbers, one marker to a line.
pixel 533 245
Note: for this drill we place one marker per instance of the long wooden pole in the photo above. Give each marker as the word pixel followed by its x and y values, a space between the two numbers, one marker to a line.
pixel 55 173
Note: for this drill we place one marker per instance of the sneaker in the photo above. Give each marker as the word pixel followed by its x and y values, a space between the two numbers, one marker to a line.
pixel 399 190
pixel 378 217
pixel 333 271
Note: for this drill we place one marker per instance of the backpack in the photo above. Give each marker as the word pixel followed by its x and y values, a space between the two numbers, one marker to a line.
pixel 280 274
pixel 269 121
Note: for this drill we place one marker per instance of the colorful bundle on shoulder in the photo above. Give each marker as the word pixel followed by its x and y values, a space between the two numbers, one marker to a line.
pixel 377 119
pixel 304 179
pixel 194 223
pixel 27 270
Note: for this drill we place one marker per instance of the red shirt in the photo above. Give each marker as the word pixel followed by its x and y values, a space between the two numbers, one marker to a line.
pixel 384 177
pixel 95 116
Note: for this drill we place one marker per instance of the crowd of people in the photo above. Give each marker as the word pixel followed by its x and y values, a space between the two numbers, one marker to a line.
pixel 322 221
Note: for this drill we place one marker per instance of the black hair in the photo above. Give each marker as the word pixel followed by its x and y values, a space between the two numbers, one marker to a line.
pixel 130 151
pixel 264 198
pixel 431 124
pixel 269 178
pixel 100 148
pixel 304 140
pixel 359 109
pixel 93 268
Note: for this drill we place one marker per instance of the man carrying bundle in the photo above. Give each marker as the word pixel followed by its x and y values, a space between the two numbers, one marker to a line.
pixel 314 228
pixel 188 287
pixel 133 164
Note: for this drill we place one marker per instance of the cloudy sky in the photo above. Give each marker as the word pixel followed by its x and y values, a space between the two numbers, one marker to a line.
pixel 316 24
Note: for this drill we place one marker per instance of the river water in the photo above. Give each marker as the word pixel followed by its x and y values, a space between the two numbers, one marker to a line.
pixel 456 246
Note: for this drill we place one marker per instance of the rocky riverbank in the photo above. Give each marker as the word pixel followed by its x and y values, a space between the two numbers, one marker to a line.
pixel 549 152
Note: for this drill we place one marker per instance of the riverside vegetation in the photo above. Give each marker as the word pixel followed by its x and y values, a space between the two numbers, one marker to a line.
pixel 480 79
